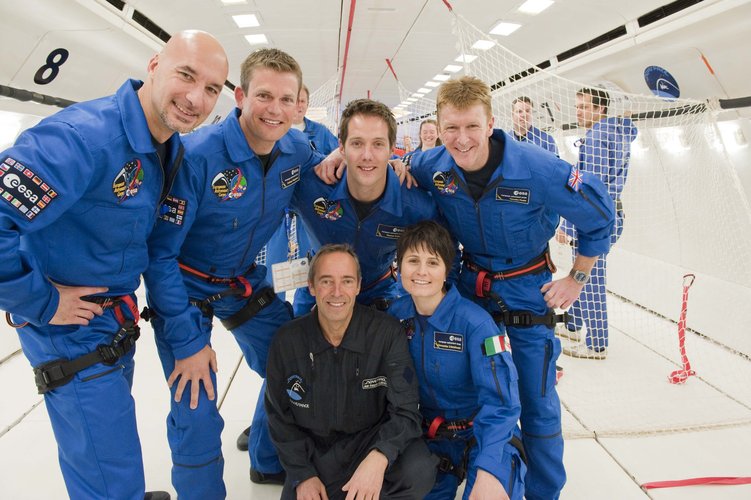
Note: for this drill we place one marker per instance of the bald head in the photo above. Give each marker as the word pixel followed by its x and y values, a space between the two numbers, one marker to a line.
pixel 183 84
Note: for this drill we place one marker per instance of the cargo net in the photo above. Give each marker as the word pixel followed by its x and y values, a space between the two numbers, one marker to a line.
pixel 684 211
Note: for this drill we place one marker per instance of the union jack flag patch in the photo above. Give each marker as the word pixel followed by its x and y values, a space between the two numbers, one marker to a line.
pixel 575 179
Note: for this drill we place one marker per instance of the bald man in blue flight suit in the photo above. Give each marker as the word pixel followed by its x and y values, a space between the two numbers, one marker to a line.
pixel 524 131
pixel 222 209
pixel 604 152
pixel 79 196
pixel 502 199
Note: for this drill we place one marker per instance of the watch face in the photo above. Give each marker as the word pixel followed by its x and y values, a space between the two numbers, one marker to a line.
pixel 580 277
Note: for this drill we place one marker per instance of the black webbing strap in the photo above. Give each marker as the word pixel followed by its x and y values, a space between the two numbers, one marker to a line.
pixel 525 319
pixel 59 372
pixel 255 303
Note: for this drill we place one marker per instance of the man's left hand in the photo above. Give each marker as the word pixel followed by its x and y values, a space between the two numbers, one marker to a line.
pixel 331 169
pixel 561 293
pixel 366 482
pixel 194 369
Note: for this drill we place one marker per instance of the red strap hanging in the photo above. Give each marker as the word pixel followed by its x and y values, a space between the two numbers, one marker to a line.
pixel 680 376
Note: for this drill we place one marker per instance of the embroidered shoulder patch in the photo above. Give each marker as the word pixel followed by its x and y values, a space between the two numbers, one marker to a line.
pixel 494 345
pixel 173 210
pixel 329 210
pixel 574 179
pixel 229 184
pixel 444 182
pixel 23 189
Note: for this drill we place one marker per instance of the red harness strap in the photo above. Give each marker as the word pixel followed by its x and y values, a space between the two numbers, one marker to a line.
pixel 483 282
pixel 236 282
pixel 694 481
pixel 434 425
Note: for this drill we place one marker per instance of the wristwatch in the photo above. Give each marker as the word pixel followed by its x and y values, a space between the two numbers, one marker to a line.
pixel 579 276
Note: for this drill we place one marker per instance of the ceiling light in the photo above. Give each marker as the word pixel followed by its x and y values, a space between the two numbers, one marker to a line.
pixel 432 84
pixel 233 2
pixel 441 77
pixel 535 6
pixel 465 58
pixel 452 68
pixel 417 94
pixel 483 44
pixel 503 28
pixel 410 100
pixel 259 39
pixel 246 20
pixel 424 91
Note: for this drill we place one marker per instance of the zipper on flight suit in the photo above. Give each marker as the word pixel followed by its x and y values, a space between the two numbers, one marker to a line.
pixel 495 379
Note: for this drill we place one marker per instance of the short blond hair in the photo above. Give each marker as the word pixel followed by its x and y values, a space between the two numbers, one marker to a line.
pixel 273 59
pixel 464 93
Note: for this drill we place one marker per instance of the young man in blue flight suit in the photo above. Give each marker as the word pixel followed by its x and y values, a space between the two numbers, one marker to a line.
pixel 502 199
pixel 80 192
pixel 283 245
pixel 367 208
pixel 604 152
pixel 523 130
pixel 225 204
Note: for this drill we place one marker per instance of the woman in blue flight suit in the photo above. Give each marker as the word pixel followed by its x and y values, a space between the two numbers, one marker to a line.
pixel 468 382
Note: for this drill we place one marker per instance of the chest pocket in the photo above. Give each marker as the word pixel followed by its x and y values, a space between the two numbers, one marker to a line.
pixel 449 361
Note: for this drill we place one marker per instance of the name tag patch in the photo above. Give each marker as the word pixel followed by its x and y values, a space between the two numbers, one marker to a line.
pixel 390 232
pixel 23 189
pixel 290 176
pixel 173 210
pixel 514 195
pixel 448 341
pixel 373 383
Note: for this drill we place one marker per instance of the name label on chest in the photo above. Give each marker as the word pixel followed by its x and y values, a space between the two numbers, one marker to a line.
pixel 448 341
pixel 289 177
pixel 513 195
pixel 390 232
pixel 375 382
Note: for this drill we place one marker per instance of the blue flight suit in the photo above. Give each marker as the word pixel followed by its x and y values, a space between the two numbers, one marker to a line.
pixel 605 152
pixel 458 381
pixel 277 249
pixel 80 193
pixel 507 228
pixel 330 217
pixel 537 136
pixel 220 213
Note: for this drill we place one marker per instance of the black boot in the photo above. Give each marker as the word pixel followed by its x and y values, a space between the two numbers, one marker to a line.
pixel 267 478
pixel 242 440
pixel 157 495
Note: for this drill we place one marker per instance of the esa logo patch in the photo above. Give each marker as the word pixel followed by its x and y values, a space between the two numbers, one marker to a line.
pixel 389 232
pixel 23 189
pixel 448 341
pixel 444 182
pixel 513 195
pixel 297 392
pixel 229 184
pixel 128 180
pixel 290 177
pixel 173 210
pixel 329 210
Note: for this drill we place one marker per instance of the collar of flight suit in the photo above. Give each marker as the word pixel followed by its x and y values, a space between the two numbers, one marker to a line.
pixel 354 337
pixel 237 145
pixel 133 118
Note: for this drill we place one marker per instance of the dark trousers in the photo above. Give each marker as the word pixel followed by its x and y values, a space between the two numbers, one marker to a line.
pixel 410 477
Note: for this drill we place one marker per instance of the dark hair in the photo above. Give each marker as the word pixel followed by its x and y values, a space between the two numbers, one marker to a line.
pixel 430 236
pixel 522 98
pixel 599 97
pixel 329 249
pixel 438 141
pixel 367 107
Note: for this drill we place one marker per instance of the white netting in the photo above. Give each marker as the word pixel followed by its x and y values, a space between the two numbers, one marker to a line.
pixel 685 212
pixel 323 104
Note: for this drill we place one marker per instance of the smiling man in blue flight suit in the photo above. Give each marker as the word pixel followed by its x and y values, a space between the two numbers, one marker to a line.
pixel 523 130
pixel 80 195
pixel 502 199
pixel 368 208
pixel 238 179
pixel 604 152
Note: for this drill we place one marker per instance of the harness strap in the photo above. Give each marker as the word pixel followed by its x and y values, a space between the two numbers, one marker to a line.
pixel 59 372
pixel 535 266
pixel 390 273
pixel 253 306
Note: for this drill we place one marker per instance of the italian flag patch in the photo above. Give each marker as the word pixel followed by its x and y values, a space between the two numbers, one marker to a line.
pixel 494 345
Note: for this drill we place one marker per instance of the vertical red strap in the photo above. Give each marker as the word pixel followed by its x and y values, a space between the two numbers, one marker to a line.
pixel 246 285
pixel 132 307
pixel 434 425
pixel 480 282
pixel 680 376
